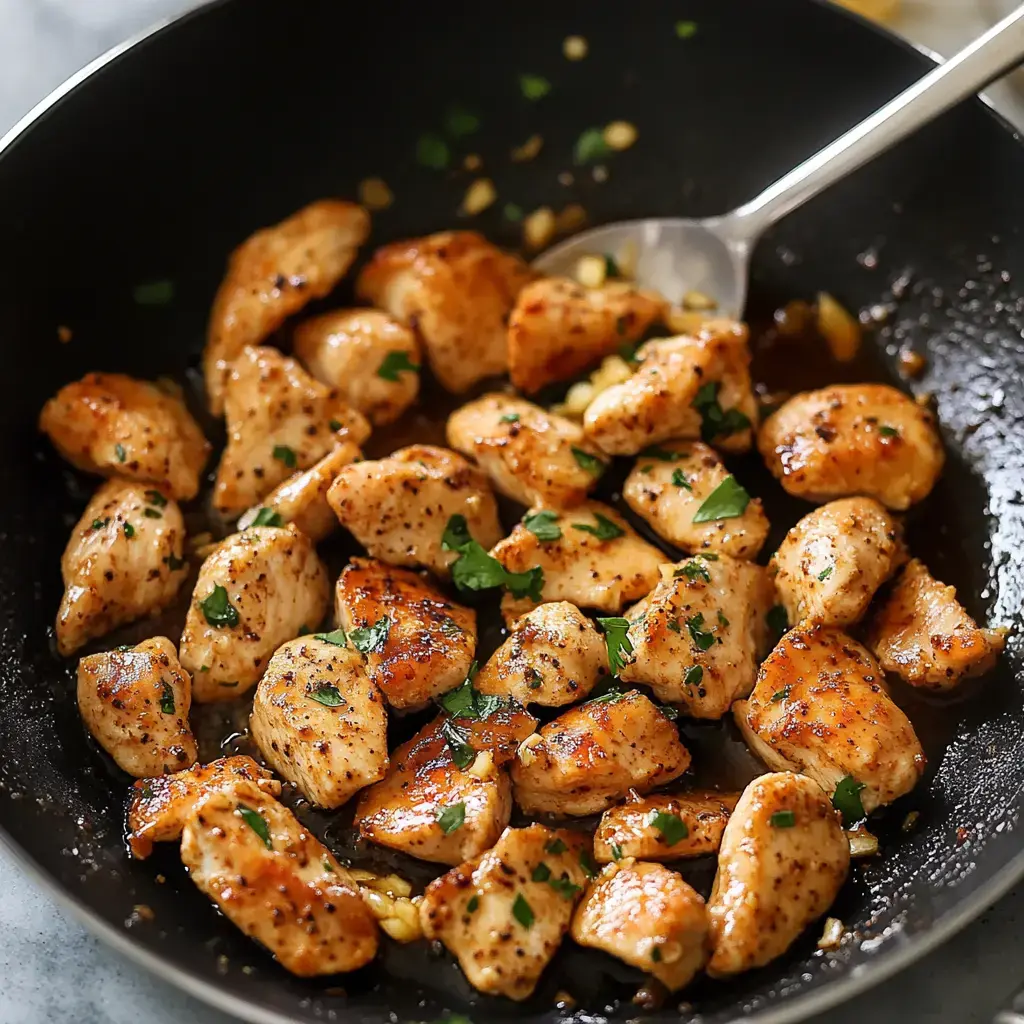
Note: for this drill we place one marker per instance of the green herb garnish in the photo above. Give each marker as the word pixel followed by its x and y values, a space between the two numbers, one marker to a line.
pixel 256 822
pixel 780 695
pixel 605 529
pixel 778 621
pixel 825 573
pixel 173 562
pixel 886 431
pixel 166 697
pixel 371 639
pixel 522 911
pixel 472 903
pixel 846 800
pixel 716 422
pixel 672 828
pixel 588 865
pixel 556 846
pixel 679 479
pixel 475 569
pixel 617 642
pixel 217 609
pixel 152 513
pixel 98 524
pixel 616 851
pixel 326 694
pixel 395 363
pixel 267 517
pixel 461 749
pixel 704 639
pixel 286 455
pixel 129 530
pixel 336 637
pixel 509 417
pixel 782 819
pixel 693 570
pixel 452 818
pixel 590 463
pixel 120 452
pixel 156 498
pixel 541 873
pixel 534 87
pixel 590 146
pixel 727 501
pixel 694 674
pixel 543 525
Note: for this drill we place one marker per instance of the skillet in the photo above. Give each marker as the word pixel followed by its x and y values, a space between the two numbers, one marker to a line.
pixel 165 158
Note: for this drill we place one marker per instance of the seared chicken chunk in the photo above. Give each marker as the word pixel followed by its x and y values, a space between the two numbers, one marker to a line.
pixel 114 425
pixel 123 561
pixel 558 329
pixel 135 703
pixel 685 387
pixel 669 484
pixel 783 859
pixel 272 275
pixel 503 915
pixel 256 590
pixel 591 756
pixel 423 644
pixel 457 290
pixel 923 635
pixel 853 439
pixel 821 707
pixel 398 507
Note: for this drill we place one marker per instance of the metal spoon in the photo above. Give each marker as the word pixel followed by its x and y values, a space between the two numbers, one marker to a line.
pixel 712 256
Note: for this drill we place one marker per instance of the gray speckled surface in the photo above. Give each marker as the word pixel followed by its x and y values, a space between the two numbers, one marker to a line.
pixel 54 972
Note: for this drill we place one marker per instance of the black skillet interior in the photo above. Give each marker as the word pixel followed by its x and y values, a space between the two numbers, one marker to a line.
pixel 162 162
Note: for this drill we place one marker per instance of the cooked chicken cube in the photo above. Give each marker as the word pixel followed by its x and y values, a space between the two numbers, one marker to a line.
pixel 114 425
pixel 277 883
pixel 821 707
pixel 420 644
pixel 256 590
pixel 923 635
pixel 669 485
pixel 123 562
pixel 830 564
pixel 398 507
pixel 591 756
pixel 558 329
pixel 456 290
pixel 853 439
pixel 272 275
pixel 372 360
pixel 648 917
pixel 503 915
pixel 783 859
pixel 685 387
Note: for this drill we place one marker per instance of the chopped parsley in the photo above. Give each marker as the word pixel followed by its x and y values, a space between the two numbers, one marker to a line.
pixel 120 452
pixel 452 818
pixel 432 151
pixel 98 524
pixel 782 819
pixel 129 530
pixel 780 695
pixel 846 800
pixel 591 463
pixel 556 846
pixel 616 851
pixel 672 828
pixel 543 525
pixel 152 513
pixel 541 873
pixel 267 517
pixel 335 425
pixel 694 674
pixel 590 146
pixel 673 625
pixel 472 904
pixel 693 570
pixel 727 501
pixel 459 122
pixel 605 529
pixel 611 266
pixel 656 954
pixel 617 641
pixel 661 454
pixel 462 751
pixel 703 639
pixel 714 421
pixel 509 417
pixel 722 620
pixel 256 822
pixel 326 694
pixel 156 498
pixel 588 865
pixel 217 609
pixel 286 455
pixel 465 701
pixel 371 639
pixel 778 621
pixel 522 911
pixel 534 87
pixel 166 697
pixel 679 479
pixel 336 637
pixel 686 29
pixel 328 866
pixel 475 569
pixel 564 886
pixel 395 363
pixel 825 573
pixel 886 431
pixel 536 680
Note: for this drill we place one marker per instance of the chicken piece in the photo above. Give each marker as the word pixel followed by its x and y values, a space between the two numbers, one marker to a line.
pixel 135 702
pixel 783 859
pixel 279 419
pixel 830 564
pixel 277 883
pixel 848 439
pixel 256 590
pixel 114 425
pixel 158 807
pixel 302 498
pixel 427 643
pixel 698 636
pixel 685 387
pixel 558 328
pixel 669 484
pixel 554 656
pixel 821 707
pixel 456 290
pixel 923 635
pixel 122 562
pixel 592 755
pixel 503 915
pixel 664 826
pixel 272 275
pixel 531 455
pixel 319 722
pixel 599 561
pixel 398 507
pixel 648 917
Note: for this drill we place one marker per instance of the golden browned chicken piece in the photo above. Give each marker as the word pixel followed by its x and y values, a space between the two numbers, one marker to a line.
pixel 417 643
pixel 158 807
pixel 272 275
pixel 318 720
pixel 503 915
pixel 923 635
pixel 592 755
pixel 398 507
pixel 114 425
pixel 821 707
pixel 685 387
pixel 135 702
pixel 853 439
pixel 256 590
pixel 456 290
pixel 279 419
pixel 648 917
pixel 668 487
pixel 372 360
pixel 830 564
pixel 554 656
pixel 664 826
pixel 783 859
pixel 558 328
pixel 277 883
pixel 122 562
pixel 698 636
pixel 531 455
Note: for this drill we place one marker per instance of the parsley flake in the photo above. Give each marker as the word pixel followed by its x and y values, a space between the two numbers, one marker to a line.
pixel 326 694
pixel 534 87
pixel 459 122
pixel 475 569
pixel 782 819
pixel 825 573
pixel 217 609
pixel 605 529
pixel 846 800
pixel 679 479
pixel 336 637
pixel 694 674
pixel 509 417
pixel 693 570
pixel 716 422
pixel 543 525
pixel 590 147
pixel 256 822
pixel 166 697
pixel 395 363
pixel 371 639
pixel 522 911
pixel 590 463
pixel 672 828
pixel 286 455
pixel 556 846
pixel 452 818
pixel 156 498
pixel 462 751
pixel 617 642
pixel 727 501
pixel 703 639
pixel 129 530
pixel 267 517
pixel 120 452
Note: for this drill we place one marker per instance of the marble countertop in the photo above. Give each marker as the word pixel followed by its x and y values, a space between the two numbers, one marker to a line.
pixel 55 972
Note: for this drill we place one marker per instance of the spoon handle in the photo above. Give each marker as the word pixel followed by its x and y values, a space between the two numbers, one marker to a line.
pixel 964 74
